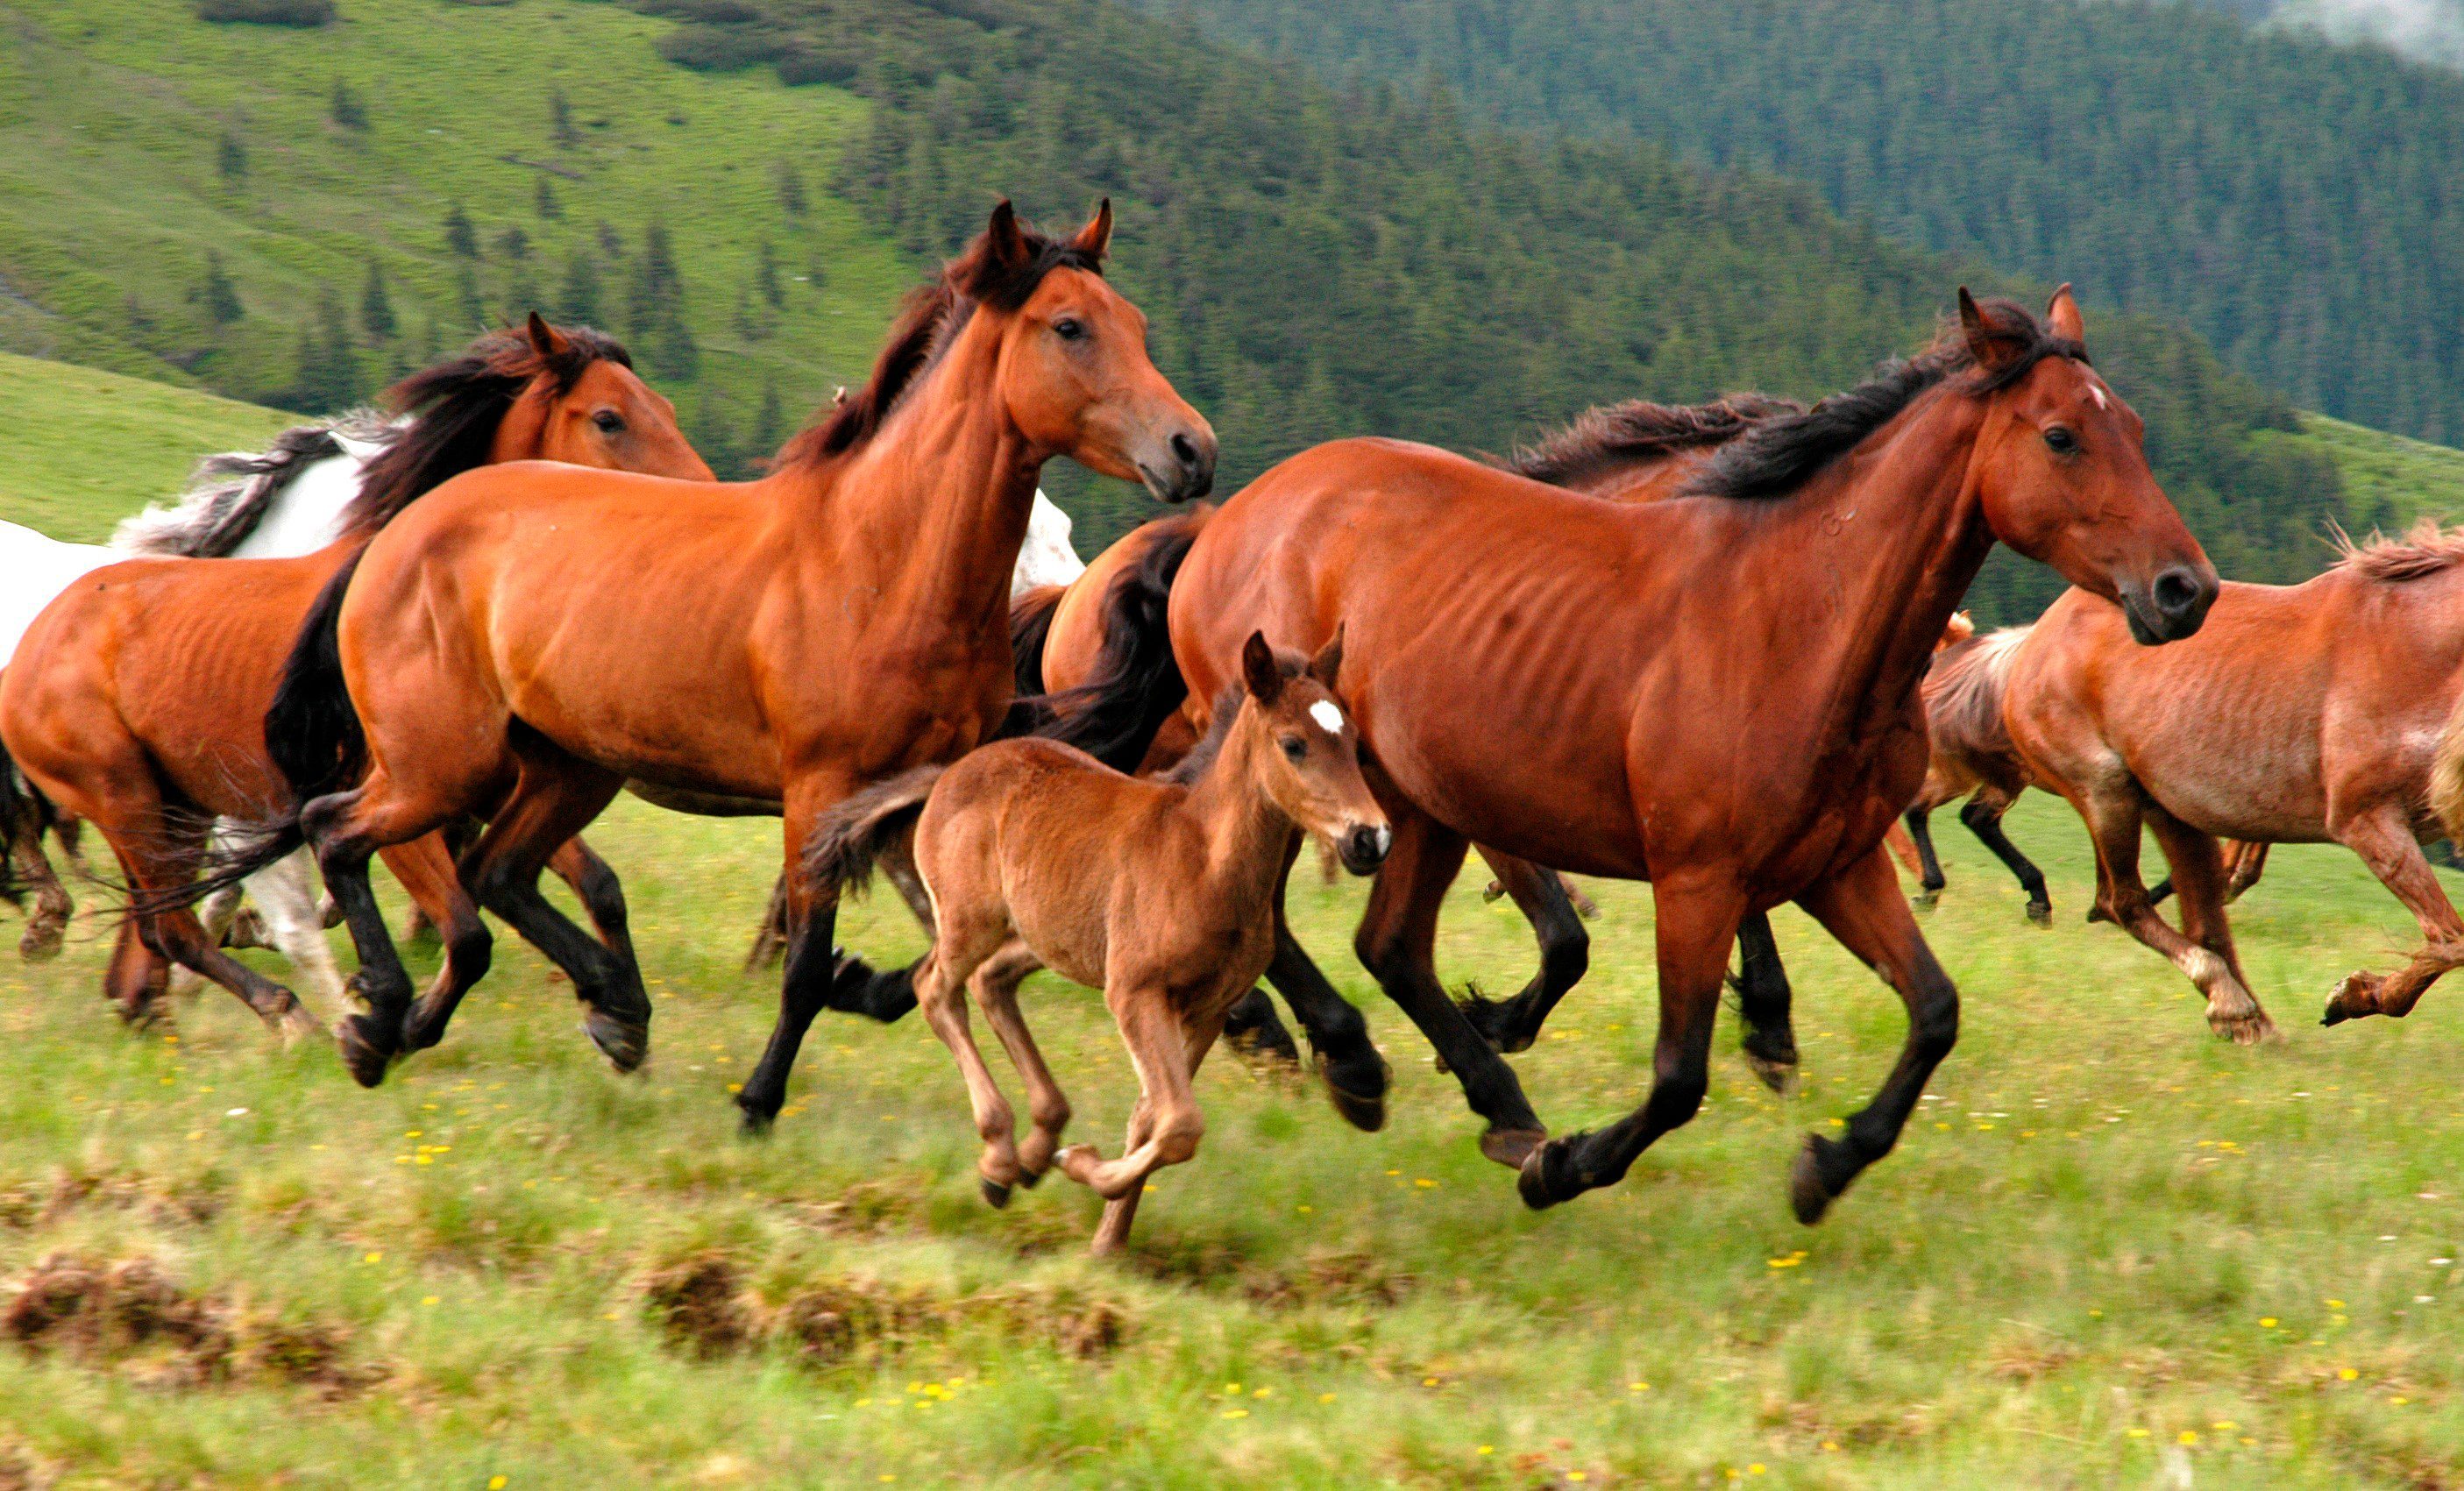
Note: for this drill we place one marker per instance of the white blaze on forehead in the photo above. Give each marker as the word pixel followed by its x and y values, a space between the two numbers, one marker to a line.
pixel 2096 390
pixel 1328 718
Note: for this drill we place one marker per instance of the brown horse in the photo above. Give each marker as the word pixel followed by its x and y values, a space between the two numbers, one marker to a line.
pixel 138 699
pixel 783 641
pixel 2303 714
pixel 1972 758
pixel 1717 692
pixel 1160 892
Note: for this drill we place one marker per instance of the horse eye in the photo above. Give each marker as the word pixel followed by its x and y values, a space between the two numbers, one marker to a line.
pixel 2061 440
pixel 1069 328
pixel 1295 747
pixel 608 421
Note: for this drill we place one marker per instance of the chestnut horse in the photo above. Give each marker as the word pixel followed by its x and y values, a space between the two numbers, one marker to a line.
pixel 1716 692
pixel 2303 714
pixel 1160 892
pixel 138 698
pixel 785 640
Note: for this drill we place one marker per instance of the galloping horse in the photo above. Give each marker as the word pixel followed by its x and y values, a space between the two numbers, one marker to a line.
pixel 2302 714
pixel 1160 892
pixel 783 641
pixel 138 698
pixel 1972 758
pixel 1715 692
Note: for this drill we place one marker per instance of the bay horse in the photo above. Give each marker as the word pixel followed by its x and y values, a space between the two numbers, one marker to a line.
pixel 1159 891
pixel 138 698
pixel 2303 714
pixel 1716 692
pixel 788 640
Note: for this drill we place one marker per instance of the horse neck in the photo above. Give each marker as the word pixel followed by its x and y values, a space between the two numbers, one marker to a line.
pixel 1245 830
pixel 934 507
pixel 521 434
pixel 1900 526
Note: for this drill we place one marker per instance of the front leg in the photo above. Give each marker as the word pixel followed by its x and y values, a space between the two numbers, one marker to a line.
pixel 1862 906
pixel 2383 837
pixel 1541 895
pixel 1763 1002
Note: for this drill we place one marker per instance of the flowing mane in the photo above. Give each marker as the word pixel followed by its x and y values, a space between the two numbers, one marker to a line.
pixel 932 314
pixel 2424 550
pixel 230 493
pixel 453 410
pixel 1779 455
pixel 1612 435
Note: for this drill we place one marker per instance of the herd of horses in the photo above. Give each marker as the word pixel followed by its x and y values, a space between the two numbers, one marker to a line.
pixel 1715 647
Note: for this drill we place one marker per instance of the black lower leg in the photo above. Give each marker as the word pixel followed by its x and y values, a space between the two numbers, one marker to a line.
pixel 1826 1166
pixel 1921 833
pixel 370 1036
pixel 1764 1002
pixel 602 900
pixel 1252 1028
pixel 606 979
pixel 1985 824
pixel 804 991
pixel 1354 1074
pixel 1565 956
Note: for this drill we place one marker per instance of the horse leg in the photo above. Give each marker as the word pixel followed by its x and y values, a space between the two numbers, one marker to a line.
pixel 1862 908
pixel 1112 1230
pixel 815 970
pixel 601 894
pixel 940 977
pixel 137 979
pixel 1167 1127
pixel 1694 924
pixel 2382 837
pixel 994 987
pixel 1919 821
pixel 1354 1074
pixel 177 935
pixel 770 943
pixel 48 924
pixel 555 795
pixel 1565 954
pixel 2113 820
pixel 287 892
pixel 426 868
pixel 1983 815
pixel 1396 941
pixel 2246 862
pixel 1763 1001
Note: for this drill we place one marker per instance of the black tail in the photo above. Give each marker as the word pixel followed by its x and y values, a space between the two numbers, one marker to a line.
pixel 1113 716
pixel 19 816
pixel 852 835
pixel 312 736
pixel 1030 623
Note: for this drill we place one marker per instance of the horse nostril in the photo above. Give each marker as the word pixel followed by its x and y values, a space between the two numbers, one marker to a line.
pixel 1185 450
pixel 2177 591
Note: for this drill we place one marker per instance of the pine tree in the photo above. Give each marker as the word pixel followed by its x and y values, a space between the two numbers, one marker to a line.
pixel 460 236
pixel 465 298
pixel 221 301
pixel 611 243
pixel 230 158
pixel 769 424
pixel 791 190
pixel 766 277
pixel 376 306
pixel 674 355
pixel 346 108
pixel 714 435
pixel 559 120
pixel 549 207
pixel 329 366
pixel 513 244
pixel 577 301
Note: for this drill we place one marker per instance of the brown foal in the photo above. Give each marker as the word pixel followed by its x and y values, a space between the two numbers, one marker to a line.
pixel 1159 891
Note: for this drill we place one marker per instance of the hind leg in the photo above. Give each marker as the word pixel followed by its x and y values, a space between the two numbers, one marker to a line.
pixel 47 925
pixel 973 936
pixel 137 979
pixel 2114 815
pixel 2245 862
pixel 770 943
pixel 426 868
pixel 1764 1003
pixel 288 892
pixel 161 863
pixel 994 987
pixel 1930 878
pixel 2382 837
pixel 555 795
pixel 1565 954
pixel 1983 815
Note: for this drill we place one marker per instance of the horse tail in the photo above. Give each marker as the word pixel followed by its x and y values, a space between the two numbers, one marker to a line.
pixel 1962 694
pixel 312 736
pixel 1030 627
pixel 20 814
pixel 2447 776
pixel 1137 684
pixel 855 833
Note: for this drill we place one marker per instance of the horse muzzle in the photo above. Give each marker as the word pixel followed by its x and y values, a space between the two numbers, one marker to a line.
pixel 1184 469
pixel 1363 847
pixel 2171 606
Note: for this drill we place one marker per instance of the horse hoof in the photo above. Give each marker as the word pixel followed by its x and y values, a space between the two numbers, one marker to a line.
pixel 297 1024
pixel 1513 1147
pixel 1357 1088
pixel 363 1058
pixel 996 1195
pixel 755 1124
pixel 2040 913
pixel 2251 1029
pixel 1544 1177
pixel 1270 1045
pixel 1822 1171
pixel 1779 1076
pixel 40 944
pixel 1029 1179
pixel 625 1042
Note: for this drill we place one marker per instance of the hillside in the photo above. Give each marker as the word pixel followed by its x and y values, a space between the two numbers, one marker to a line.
pixel 2300 204
pixel 81 448
pixel 2388 479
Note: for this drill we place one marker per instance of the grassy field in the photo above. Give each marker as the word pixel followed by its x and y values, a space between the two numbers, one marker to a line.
pixel 2410 479
pixel 81 449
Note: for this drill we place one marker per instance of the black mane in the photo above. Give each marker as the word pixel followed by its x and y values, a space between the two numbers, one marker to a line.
pixel 1611 435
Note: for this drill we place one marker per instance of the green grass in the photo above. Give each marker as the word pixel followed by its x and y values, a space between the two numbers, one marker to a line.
pixel 81 449
pixel 140 94
pixel 2391 480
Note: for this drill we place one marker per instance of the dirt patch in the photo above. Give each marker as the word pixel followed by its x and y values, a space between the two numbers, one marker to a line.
pixel 191 1201
pixel 130 1318
pixel 705 1309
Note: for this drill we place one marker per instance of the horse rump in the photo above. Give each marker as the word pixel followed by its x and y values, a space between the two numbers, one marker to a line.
pixel 1137 685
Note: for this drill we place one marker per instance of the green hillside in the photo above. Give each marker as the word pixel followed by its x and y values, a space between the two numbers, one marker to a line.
pixel 81 448
pixel 2388 480
pixel 2300 204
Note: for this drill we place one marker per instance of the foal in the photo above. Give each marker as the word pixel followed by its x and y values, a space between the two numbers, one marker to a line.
pixel 1160 892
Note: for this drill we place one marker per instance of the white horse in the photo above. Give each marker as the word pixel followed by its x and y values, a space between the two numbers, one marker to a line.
pixel 285 500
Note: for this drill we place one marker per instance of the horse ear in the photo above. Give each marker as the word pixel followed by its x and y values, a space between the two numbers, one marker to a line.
pixel 1007 245
pixel 1098 235
pixel 1258 671
pixel 1988 344
pixel 546 340
pixel 1329 661
pixel 2063 314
